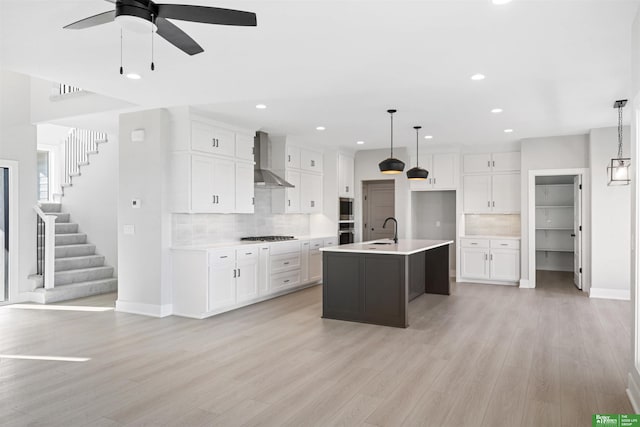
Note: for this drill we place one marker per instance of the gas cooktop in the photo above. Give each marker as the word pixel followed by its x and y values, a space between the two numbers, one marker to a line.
pixel 268 238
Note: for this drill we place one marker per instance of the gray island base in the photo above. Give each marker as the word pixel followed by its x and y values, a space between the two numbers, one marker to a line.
pixel 373 282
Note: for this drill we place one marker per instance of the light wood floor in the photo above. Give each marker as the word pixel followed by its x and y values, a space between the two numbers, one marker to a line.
pixel 484 356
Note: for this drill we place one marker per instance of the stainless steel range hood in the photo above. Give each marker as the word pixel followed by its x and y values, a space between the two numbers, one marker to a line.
pixel 262 176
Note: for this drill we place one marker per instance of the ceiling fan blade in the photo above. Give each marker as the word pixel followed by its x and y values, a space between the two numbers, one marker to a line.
pixel 177 37
pixel 92 21
pixel 207 15
pixel 111 1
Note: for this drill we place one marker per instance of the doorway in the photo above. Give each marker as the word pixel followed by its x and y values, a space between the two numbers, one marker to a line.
pixel 378 203
pixel 558 231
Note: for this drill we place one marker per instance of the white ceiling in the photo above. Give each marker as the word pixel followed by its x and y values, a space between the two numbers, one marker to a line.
pixel 555 67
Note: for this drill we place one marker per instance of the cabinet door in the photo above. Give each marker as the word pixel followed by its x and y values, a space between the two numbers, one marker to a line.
pixel 263 270
pixel 292 201
pixel 506 193
pixel 505 264
pixel 202 188
pixel 224 185
pixel 474 263
pixel 315 266
pixel 477 193
pixel 311 161
pixel 445 171
pixel 304 261
pixel 505 162
pixel 212 140
pixel 244 188
pixel 345 176
pixel 425 162
pixel 476 163
pixel 310 193
pixel 244 146
pixel 293 157
pixel 246 274
pixel 222 286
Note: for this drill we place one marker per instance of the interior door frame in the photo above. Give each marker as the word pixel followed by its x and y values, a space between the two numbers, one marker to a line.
pixel 531 226
pixel 365 202
pixel 14 224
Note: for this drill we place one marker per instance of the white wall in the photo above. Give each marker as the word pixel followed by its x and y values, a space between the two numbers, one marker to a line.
pixel 434 217
pixel 18 143
pixel 144 276
pixel 366 169
pixel 92 201
pixel 557 152
pixel 44 108
pixel 610 217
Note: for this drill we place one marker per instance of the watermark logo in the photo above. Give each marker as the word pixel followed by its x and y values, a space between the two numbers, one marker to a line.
pixel 615 420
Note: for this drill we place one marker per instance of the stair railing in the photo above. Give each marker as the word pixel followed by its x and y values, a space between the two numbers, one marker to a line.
pixel 45 247
pixel 77 147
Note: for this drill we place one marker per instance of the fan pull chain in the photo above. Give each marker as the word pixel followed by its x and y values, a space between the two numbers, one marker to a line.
pixel 121 69
pixel 153 66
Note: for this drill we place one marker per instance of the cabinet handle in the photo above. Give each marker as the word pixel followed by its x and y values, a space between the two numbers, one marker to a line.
pixel 253 200
pixel 238 272
pixel 313 163
pixel 286 263
pixel 346 189
pixel 248 253
pixel 493 163
pixel 488 204
pixel 286 281
pixel 213 200
pixel 485 257
pixel 474 243
pixel 313 203
pixel 265 249
pixel 491 257
pixel 234 273
pixel 434 180
pixel 224 256
pixel 494 204
pixel 488 164
pixel 503 244
pixel 289 158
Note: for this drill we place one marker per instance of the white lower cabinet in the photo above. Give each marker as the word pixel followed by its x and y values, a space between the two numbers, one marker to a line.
pixel 211 281
pixel 490 259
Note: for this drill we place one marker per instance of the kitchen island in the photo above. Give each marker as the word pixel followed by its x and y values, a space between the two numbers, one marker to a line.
pixel 373 282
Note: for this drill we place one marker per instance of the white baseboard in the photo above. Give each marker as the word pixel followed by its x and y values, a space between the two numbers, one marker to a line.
pixel 526 284
pixel 633 393
pixel 153 310
pixel 620 294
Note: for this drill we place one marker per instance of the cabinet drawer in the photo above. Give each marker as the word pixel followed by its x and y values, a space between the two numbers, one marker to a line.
pixel 222 257
pixel 474 243
pixel 332 241
pixel 247 253
pixel 285 280
pixel 505 244
pixel 285 262
pixel 285 247
pixel 212 140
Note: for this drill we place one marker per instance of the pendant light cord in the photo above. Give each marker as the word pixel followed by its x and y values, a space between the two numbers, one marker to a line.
pixel 619 132
pixel 153 67
pixel 391 135
pixel 121 69
pixel 417 155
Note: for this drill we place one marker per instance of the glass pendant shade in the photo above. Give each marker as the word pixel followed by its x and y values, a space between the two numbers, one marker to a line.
pixel 391 165
pixel 618 171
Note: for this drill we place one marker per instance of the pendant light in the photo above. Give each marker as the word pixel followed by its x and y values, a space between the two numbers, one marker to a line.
pixel 618 170
pixel 417 173
pixel 391 165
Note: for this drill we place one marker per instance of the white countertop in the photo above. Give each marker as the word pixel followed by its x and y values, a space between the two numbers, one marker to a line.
pixel 403 247
pixel 236 243
pixel 491 237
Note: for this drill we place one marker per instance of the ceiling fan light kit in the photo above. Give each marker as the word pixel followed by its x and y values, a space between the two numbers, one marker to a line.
pixel 391 165
pixel 144 15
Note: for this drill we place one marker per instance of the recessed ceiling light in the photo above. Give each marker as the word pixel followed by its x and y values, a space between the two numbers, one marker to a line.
pixel 508 130
pixel 261 106
pixel 359 142
pixel 477 77
pixel 428 137
pixel 134 76
pixel 500 1
pixel 496 110
pixel 320 128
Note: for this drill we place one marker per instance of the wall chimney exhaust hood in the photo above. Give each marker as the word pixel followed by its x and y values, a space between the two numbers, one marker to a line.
pixel 262 176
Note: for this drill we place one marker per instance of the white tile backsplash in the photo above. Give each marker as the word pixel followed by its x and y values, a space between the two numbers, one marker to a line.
pixel 202 229
pixel 492 225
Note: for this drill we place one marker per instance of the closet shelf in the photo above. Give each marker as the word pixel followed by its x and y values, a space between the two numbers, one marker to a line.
pixel 554 207
pixel 555 228
pixel 553 250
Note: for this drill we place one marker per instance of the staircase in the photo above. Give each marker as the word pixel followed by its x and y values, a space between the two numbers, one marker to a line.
pixel 79 271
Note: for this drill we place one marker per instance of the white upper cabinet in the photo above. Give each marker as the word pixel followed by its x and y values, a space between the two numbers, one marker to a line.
pixel 212 184
pixel 443 172
pixel 292 201
pixel 244 196
pixel 491 162
pixel 310 193
pixel 212 140
pixel 345 176
pixel 505 193
pixel 310 161
pixel 477 193
pixel 505 162
pixel 244 146
pixel 292 160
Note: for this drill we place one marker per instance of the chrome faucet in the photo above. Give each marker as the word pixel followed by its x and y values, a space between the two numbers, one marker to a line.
pixel 395 228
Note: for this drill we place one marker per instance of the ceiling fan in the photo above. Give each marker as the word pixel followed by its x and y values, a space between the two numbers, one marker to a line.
pixel 132 14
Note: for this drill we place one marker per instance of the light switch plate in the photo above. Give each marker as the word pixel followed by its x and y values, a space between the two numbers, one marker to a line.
pixel 129 229
pixel 137 135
